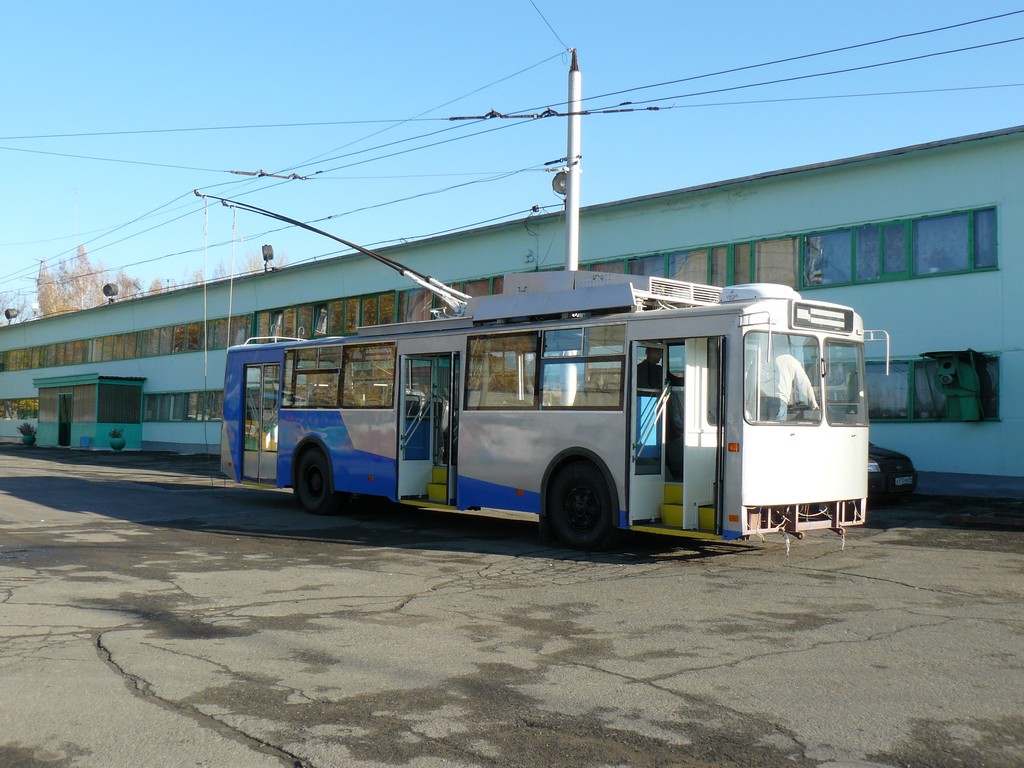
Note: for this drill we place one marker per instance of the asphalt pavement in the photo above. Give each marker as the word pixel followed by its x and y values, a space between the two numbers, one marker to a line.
pixel 154 614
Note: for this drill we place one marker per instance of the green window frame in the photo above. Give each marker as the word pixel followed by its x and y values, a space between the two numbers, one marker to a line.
pixel 174 407
pixel 953 243
pixel 913 390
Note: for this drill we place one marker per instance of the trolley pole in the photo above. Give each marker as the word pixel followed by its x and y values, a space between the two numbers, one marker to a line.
pixel 572 173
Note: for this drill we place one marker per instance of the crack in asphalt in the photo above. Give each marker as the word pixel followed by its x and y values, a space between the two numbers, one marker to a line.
pixel 142 688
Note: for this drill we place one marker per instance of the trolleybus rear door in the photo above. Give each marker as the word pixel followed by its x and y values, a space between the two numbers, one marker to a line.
pixel 259 441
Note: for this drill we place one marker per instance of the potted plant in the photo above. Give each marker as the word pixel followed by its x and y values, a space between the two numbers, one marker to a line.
pixel 117 438
pixel 28 433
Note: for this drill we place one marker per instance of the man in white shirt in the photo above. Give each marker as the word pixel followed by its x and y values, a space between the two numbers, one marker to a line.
pixel 788 385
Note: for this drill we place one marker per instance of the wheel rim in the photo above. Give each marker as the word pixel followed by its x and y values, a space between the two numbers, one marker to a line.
pixel 582 508
pixel 315 482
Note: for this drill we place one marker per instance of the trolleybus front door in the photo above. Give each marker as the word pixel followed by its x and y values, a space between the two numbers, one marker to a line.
pixel 676 434
pixel 259 441
pixel 428 428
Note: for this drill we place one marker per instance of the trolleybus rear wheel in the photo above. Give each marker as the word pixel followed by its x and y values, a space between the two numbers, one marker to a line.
pixel 580 507
pixel 313 486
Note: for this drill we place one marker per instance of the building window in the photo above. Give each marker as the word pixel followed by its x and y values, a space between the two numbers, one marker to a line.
pixel 336 318
pixel 305 321
pixel 984 246
pixel 20 408
pixel 889 395
pixel 941 245
pixel 720 266
pixel 184 406
pixel 689 266
pixel 936 245
pixel 276 324
pixel 617 267
pixel 319 319
pixel 477 287
pixel 193 337
pixel 827 258
pixel 947 386
pixel 118 403
pixel 775 261
pixel 415 305
pixel 741 266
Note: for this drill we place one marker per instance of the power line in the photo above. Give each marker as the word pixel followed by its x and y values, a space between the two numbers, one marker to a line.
pixel 548 112
pixel 845 70
pixel 807 55
pixel 548 23
pixel 394 122
pixel 263 174
pixel 112 160
pixel 494 177
pixel 491 129
pixel 747 102
pixel 417 118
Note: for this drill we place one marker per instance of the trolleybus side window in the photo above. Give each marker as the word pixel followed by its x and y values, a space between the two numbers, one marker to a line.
pixel 583 367
pixel 782 379
pixel 844 384
pixel 311 377
pixel 502 371
pixel 368 376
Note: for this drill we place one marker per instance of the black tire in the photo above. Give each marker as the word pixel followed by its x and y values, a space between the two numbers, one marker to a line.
pixel 580 507
pixel 314 487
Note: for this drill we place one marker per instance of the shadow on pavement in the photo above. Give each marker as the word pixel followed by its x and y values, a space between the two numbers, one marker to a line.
pixel 222 509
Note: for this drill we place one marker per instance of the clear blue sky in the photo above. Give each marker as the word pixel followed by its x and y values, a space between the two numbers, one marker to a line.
pixel 113 112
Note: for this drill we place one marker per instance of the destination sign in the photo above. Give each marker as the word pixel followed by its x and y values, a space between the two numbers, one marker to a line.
pixel 822 318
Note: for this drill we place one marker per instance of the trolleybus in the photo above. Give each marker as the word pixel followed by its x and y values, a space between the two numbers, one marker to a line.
pixel 599 403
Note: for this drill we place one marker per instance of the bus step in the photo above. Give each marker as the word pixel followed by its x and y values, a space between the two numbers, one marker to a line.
pixel 439 475
pixel 672 515
pixel 705 518
pixel 673 493
pixel 437 492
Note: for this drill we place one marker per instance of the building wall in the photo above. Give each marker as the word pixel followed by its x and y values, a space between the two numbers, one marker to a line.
pixel 951 312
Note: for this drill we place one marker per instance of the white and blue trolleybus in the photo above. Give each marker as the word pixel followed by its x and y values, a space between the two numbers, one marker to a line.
pixel 599 403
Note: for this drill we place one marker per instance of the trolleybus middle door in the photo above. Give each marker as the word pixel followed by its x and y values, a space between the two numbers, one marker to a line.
pixel 427 427
pixel 648 396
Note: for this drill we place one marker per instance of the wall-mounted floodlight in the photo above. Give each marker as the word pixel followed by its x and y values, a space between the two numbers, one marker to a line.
pixel 110 291
pixel 268 256
pixel 559 182
pixel 10 314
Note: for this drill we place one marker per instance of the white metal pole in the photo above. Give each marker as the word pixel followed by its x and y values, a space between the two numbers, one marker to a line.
pixel 572 175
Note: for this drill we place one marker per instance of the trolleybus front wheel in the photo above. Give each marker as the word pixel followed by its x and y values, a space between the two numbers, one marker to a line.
pixel 313 486
pixel 580 507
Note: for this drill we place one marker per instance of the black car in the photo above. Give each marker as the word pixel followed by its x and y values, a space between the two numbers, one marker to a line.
pixel 889 473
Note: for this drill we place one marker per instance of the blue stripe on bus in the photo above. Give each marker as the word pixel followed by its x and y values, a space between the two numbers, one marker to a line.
pixel 480 493
pixel 355 471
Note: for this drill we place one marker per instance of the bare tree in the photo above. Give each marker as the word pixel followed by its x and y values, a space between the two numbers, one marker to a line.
pixel 128 287
pixel 77 283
